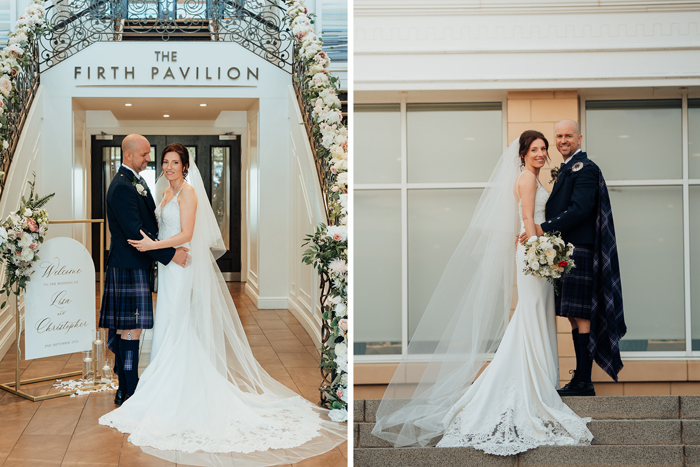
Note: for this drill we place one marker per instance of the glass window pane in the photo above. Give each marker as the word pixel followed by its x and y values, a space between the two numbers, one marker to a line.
pixel 695 263
pixel 694 137
pixel 635 140
pixel 437 221
pixel 221 190
pixel 377 272
pixel 377 146
pixel 453 142
pixel 651 265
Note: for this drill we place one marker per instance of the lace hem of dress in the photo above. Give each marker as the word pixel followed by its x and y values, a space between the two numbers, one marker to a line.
pixel 285 428
pixel 508 439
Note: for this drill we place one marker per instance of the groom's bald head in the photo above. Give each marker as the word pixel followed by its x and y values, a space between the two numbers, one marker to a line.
pixel 568 137
pixel 136 151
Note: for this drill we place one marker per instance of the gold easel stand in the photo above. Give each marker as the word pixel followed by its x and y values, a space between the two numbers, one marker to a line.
pixel 16 386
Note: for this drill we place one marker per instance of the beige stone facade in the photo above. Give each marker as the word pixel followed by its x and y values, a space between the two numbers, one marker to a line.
pixel 542 110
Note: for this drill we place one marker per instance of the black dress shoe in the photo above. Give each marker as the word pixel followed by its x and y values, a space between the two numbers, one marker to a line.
pixel 581 388
pixel 120 397
pixel 570 384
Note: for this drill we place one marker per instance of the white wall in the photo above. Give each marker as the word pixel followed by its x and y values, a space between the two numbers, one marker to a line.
pixel 62 85
pixel 307 212
pixel 543 44
pixel 27 159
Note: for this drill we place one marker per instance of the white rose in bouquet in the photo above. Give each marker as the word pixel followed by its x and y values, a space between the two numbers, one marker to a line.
pixel 3 236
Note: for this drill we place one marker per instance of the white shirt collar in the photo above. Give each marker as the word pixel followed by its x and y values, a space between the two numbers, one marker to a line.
pixel 566 161
pixel 132 170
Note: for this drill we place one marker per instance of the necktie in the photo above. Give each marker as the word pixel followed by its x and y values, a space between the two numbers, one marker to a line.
pixel 562 165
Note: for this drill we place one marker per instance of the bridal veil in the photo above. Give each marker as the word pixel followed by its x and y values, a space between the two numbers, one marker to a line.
pixel 272 424
pixel 464 321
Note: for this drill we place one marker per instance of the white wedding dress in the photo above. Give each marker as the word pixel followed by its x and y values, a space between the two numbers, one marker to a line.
pixel 204 399
pixel 513 405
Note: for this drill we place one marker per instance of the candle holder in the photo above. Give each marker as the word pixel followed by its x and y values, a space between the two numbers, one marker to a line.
pixel 88 366
pixel 107 370
pixel 99 349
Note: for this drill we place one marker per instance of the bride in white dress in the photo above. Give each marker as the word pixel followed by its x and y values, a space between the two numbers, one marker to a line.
pixel 204 399
pixel 513 405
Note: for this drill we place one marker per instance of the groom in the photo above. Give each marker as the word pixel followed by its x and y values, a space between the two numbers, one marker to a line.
pixel 127 305
pixel 590 295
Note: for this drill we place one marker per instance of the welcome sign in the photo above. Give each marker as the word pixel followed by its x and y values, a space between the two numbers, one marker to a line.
pixel 60 301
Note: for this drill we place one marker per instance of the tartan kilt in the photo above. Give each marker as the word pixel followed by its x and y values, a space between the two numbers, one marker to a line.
pixel 575 297
pixel 126 291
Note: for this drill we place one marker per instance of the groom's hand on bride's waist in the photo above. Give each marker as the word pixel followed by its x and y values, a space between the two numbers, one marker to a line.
pixel 182 256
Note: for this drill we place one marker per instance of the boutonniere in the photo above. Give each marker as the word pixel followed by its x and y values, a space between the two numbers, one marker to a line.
pixel 577 166
pixel 555 175
pixel 139 187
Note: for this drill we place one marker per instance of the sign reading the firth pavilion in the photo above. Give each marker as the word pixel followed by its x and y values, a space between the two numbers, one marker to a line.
pixel 167 68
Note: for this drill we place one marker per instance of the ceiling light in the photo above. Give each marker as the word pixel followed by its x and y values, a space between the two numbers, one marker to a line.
pixel 166 115
pixel 202 105
pixel 127 105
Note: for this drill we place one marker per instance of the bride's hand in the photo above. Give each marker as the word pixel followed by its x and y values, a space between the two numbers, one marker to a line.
pixel 521 239
pixel 144 244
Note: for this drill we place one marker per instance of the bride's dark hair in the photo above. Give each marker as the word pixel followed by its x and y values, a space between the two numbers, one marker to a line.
pixel 182 152
pixel 526 139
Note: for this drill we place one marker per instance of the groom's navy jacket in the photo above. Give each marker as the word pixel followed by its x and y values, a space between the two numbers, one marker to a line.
pixel 572 206
pixel 127 213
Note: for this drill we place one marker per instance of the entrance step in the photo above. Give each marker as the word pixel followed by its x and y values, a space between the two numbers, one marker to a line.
pixel 627 430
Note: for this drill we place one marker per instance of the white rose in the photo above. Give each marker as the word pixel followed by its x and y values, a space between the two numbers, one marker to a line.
pixel 341 349
pixel 532 239
pixel 338 415
pixel 26 240
pixel 3 235
pixel 5 85
pixel 342 363
pixel 534 265
pixel 27 254
pixel 27 212
pixel 341 310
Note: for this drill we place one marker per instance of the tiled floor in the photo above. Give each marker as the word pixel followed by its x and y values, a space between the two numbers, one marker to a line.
pixel 64 431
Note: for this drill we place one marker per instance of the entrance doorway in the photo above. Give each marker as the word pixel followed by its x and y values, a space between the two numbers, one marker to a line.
pixel 219 162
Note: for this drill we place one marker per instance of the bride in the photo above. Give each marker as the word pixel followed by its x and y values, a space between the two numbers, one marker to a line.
pixel 204 399
pixel 513 405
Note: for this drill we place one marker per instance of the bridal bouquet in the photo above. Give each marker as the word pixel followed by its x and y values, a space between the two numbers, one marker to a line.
pixel 548 257
pixel 21 235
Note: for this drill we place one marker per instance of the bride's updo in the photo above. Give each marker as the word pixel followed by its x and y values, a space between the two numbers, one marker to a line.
pixel 182 152
pixel 526 139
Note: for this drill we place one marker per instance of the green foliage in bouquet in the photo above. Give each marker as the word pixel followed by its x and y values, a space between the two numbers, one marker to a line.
pixel 21 236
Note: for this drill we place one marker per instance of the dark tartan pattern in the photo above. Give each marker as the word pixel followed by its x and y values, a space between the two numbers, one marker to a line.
pixel 576 288
pixel 126 291
pixel 607 317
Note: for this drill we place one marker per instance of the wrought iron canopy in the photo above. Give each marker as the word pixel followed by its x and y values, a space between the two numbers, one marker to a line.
pixel 257 25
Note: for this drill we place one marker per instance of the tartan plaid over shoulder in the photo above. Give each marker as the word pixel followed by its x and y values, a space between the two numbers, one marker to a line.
pixel 607 318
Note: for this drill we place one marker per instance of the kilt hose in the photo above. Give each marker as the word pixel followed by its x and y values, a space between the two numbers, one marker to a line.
pixel 126 304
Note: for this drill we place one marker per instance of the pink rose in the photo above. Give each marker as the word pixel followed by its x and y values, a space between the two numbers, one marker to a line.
pixel 13 72
pixel 335 189
pixel 31 223
pixel 33 246
pixel 340 393
pixel 334 170
pixel 337 237
pixel 343 325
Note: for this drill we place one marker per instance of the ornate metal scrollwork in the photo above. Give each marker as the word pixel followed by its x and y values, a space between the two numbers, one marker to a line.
pixel 257 25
